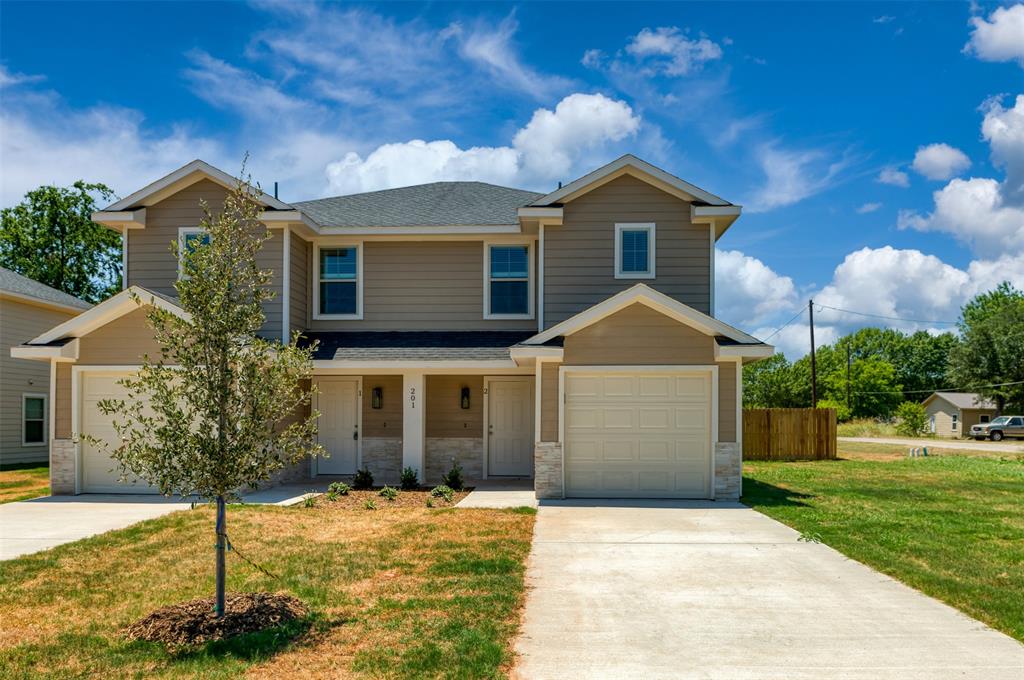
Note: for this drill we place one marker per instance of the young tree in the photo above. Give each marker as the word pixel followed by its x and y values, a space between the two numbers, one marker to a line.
pixel 911 419
pixel 991 348
pixel 217 412
pixel 50 237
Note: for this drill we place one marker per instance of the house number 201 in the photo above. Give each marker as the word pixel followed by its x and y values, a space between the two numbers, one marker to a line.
pixel 412 397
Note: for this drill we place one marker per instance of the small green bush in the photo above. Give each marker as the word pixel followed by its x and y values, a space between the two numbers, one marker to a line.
pixel 363 479
pixel 430 502
pixel 410 479
pixel 444 492
pixel 370 505
pixel 453 478
pixel 339 488
pixel 332 496
pixel 389 492
pixel 309 501
pixel 911 419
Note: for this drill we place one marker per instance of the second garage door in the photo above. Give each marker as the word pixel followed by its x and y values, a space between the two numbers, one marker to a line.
pixel 638 435
pixel 99 471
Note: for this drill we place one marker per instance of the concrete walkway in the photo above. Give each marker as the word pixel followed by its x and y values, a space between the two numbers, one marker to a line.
pixel 42 523
pixel 500 493
pixel 716 590
pixel 1005 446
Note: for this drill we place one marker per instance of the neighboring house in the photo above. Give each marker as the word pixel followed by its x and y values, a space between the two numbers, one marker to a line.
pixel 567 337
pixel 27 308
pixel 951 414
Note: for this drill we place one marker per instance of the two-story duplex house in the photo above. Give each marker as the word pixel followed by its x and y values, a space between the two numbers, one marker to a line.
pixel 567 337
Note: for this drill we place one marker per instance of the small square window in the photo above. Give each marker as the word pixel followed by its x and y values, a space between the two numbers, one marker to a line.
pixel 634 251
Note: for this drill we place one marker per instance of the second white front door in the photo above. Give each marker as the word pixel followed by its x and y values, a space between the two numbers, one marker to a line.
pixel 338 403
pixel 510 427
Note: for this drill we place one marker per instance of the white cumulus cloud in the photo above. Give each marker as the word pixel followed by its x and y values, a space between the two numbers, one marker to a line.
pixel 553 144
pixel 940 161
pixel 668 50
pixel 1001 37
pixel 893 177
pixel 747 291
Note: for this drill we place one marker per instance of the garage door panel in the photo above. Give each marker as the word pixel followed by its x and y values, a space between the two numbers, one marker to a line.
pixel 638 435
pixel 100 472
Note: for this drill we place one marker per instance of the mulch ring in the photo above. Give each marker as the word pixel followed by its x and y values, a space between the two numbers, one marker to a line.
pixel 357 498
pixel 193 623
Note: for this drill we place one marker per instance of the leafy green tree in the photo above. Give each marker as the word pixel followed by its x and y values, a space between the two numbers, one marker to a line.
pixel 218 411
pixel 911 419
pixel 50 237
pixel 843 412
pixel 991 348
pixel 873 383
pixel 771 383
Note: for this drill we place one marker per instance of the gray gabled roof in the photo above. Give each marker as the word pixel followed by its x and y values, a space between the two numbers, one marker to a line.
pixel 964 400
pixel 13 282
pixel 440 204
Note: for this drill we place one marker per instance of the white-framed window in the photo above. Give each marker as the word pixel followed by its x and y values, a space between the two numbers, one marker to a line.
pixel 33 419
pixel 508 280
pixel 956 421
pixel 187 238
pixel 338 283
pixel 635 250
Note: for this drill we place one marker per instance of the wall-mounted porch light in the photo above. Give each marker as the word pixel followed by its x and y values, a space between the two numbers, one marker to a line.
pixel 377 397
pixel 464 398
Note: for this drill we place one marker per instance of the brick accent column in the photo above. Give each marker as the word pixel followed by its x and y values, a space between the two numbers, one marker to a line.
pixel 728 471
pixel 547 466
pixel 62 467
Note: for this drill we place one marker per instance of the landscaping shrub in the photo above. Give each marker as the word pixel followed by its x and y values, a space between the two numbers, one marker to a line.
pixel 453 478
pixel 444 492
pixel 310 501
pixel 388 492
pixel 341 488
pixel 370 505
pixel 911 419
pixel 410 479
pixel 332 496
pixel 363 479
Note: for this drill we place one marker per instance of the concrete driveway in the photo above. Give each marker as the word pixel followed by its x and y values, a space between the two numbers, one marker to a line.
pixel 716 590
pixel 41 523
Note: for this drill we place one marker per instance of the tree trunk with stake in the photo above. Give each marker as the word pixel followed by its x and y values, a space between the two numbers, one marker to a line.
pixel 222 539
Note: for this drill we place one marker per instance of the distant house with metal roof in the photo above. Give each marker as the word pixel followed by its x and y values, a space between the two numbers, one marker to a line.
pixel 951 414
pixel 27 308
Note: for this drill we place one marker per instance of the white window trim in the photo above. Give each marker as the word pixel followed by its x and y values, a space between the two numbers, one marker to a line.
pixel 956 421
pixel 652 242
pixel 46 424
pixel 182 233
pixel 359 282
pixel 531 277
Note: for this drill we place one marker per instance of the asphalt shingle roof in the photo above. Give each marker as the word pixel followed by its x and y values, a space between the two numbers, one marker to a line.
pixel 413 345
pixel 966 400
pixel 22 285
pixel 439 204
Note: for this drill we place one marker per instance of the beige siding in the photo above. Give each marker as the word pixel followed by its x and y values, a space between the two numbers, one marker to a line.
pixel 549 402
pixel 445 415
pixel 943 412
pixel 387 420
pixel 123 341
pixel 579 254
pixel 972 416
pixel 151 264
pixel 727 401
pixel 20 322
pixel 421 285
pixel 638 335
pixel 299 297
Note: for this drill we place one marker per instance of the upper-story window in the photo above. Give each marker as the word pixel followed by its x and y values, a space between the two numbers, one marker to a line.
pixel 188 238
pixel 508 273
pixel 338 289
pixel 634 251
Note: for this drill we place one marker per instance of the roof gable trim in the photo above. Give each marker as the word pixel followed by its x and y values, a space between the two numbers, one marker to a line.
pixel 111 309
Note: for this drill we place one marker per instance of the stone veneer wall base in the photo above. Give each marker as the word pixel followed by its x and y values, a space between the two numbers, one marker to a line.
pixel 547 467
pixel 382 456
pixel 62 467
pixel 443 452
pixel 728 471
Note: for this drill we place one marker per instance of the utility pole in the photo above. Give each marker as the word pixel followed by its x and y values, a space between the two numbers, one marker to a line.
pixel 814 366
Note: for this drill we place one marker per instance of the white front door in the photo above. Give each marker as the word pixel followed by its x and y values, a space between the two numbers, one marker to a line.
pixel 510 427
pixel 338 403
pixel 635 435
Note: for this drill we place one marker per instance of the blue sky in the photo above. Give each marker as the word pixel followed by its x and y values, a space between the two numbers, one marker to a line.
pixel 798 112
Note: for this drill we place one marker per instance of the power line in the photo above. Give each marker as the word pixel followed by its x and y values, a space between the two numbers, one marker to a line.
pixel 945 389
pixel 880 316
pixel 779 329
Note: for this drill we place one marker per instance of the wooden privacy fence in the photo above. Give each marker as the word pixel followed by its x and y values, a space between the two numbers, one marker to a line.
pixel 789 433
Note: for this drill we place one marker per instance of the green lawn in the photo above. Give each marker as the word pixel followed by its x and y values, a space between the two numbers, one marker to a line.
pixel 21 482
pixel 395 592
pixel 950 526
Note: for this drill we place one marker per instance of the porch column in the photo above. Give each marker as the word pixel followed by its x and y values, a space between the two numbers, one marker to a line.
pixel 413 409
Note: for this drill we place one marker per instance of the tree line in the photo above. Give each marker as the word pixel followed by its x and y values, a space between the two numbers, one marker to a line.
pixel 870 372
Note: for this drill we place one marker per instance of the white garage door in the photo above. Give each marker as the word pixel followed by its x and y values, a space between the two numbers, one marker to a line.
pixel 638 435
pixel 99 472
